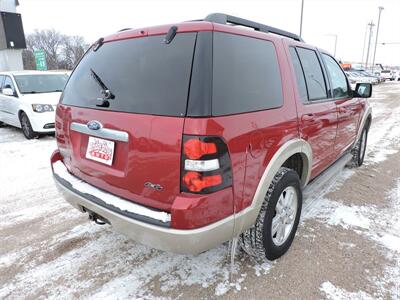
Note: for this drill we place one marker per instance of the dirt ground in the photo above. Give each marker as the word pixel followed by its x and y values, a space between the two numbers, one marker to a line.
pixel 347 245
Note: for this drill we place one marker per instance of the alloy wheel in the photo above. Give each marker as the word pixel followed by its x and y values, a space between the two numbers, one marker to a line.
pixel 285 215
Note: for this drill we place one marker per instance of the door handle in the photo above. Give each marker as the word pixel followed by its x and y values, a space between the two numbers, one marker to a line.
pixel 308 117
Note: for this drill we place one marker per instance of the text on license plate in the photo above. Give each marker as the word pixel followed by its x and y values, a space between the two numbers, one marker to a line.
pixel 100 150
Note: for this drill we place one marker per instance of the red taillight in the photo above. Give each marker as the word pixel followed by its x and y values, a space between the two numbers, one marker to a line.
pixel 195 182
pixel 206 166
pixel 195 148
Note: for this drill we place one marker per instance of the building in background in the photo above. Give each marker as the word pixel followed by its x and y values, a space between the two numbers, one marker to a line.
pixel 12 37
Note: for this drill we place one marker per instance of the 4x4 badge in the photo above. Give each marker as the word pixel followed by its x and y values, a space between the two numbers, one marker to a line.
pixel 153 186
pixel 94 125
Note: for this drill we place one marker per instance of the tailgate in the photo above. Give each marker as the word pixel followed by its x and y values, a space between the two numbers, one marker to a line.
pixel 145 166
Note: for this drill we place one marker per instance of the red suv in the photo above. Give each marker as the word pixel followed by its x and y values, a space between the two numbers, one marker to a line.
pixel 185 136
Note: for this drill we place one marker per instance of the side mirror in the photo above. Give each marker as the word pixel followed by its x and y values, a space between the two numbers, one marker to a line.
pixel 363 90
pixel 8 92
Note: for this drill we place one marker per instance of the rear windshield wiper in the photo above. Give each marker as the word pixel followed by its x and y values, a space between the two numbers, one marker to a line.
pixel 105 91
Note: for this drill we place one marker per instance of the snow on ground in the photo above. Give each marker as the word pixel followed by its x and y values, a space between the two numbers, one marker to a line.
pixel 28 199
pixel 380 225
pixel 383 135
pixel 334 293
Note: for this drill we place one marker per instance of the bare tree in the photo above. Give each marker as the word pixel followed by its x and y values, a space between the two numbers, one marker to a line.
pixel 62 51
pixel 48 40
pixel 28 59
pixel 73 49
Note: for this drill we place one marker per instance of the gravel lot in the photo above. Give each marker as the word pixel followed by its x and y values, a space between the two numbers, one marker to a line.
pixel 347 246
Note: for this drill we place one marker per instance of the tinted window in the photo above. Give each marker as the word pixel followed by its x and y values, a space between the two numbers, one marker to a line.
pixel 8 83
pixel 338 79
pixel 246 75
pixel 29 84
pixel 145 75
pixel 313 73
pixel 298 70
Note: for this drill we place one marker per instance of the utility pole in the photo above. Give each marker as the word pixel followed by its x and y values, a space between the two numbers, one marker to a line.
pixel 376 38
pixel 370 24
pixel 301 17
pixel 365 41
pixel 335 36
pixel 334 53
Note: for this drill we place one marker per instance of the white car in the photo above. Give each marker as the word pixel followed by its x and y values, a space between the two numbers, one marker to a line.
pixel 28 100
pixel 388 74
pixel 356 77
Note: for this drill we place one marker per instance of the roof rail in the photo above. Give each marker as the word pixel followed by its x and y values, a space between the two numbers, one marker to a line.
pixel 227 19
pixel 124 29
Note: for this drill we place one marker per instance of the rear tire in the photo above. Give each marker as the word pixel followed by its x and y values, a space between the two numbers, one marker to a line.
pixel 27 127
pixel 360 149
pixel 276 225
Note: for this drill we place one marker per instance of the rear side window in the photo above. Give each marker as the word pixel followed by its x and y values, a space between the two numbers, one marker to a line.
pixel 301 83
pixel 246 75
pixel 145 75
pixel 313 73
pixel 338 79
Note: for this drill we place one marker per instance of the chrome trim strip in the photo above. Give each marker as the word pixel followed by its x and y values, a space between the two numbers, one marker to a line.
pixel 102 132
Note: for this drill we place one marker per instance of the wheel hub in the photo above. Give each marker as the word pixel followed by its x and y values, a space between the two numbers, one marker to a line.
pixel 285 215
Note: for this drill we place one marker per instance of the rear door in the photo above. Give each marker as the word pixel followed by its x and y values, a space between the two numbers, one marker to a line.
pixel 126 102
pixel 348 108
pixel 317 113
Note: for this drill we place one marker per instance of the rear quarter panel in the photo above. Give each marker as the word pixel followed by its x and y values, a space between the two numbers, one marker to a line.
pixel 254 137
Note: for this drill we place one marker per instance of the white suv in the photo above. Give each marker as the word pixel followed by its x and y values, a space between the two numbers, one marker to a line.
pixel 28 100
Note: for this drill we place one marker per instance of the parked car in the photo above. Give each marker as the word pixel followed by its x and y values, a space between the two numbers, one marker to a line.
pixel 381 77
pixel 388 74
pixel 185 136
pixel 374 79
pixel 397 76
pixel 28 100
pixel 353 79
pixel 357 77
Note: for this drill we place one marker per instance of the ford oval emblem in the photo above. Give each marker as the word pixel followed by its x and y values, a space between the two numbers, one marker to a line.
pixel 94 125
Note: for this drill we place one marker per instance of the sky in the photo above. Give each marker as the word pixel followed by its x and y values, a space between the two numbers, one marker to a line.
pixel 322 20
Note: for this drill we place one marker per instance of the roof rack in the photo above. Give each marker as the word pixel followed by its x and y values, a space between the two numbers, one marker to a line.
pixel 227 19
pixel 124 29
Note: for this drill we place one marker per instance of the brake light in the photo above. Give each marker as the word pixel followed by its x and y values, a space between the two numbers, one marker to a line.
pixel 206 166
pixel 195 148
pixel 195 182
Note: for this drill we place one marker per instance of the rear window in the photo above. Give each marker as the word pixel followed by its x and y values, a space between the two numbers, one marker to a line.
pixel 145 75
pixel 246 75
